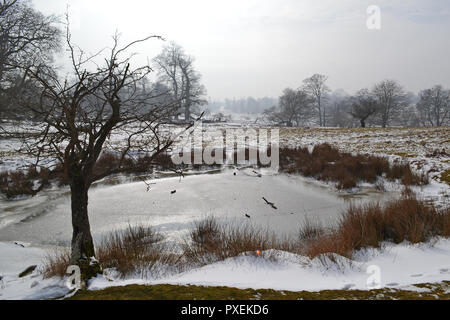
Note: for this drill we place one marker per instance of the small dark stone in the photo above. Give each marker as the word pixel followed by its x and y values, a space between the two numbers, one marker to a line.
pixel 27 271
pixel 234 173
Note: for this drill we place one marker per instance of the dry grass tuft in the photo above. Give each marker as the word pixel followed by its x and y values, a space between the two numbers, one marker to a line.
pixel 210 241
pixel 56 263
pixel 135 251
pixel 405 219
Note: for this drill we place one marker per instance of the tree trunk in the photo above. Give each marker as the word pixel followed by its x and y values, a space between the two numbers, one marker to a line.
pixel 187 113
pixel 83 253
pixel 384 121
pixel 363 123
pixel 324 116
pixel 320 116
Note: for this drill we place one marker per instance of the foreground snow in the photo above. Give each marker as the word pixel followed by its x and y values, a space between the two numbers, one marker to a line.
pixel 400 267
pixel 15 258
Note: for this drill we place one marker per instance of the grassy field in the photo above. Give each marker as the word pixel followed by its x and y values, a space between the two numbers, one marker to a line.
pixel 428 291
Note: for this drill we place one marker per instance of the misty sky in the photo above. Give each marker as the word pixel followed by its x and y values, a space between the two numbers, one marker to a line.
pixel 258 47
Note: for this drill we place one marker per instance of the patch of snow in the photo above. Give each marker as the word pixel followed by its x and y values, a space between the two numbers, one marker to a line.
pixel 13 260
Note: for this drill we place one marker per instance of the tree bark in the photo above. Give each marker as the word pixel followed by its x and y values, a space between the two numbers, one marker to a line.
pixel 187 107
pixel 187 113
pixel 83 253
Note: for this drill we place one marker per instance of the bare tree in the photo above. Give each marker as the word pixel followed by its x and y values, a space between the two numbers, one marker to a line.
pixel 27 38
pixel 392 99
pixel 339 107
pixel 176 69
pixel 5 5
pixel 434 106
pixel 317 88
pixel 293 108
pixel 79 114
pixel 408 115
pixel 363 105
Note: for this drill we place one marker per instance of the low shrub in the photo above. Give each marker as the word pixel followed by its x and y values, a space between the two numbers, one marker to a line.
pixel 327 163
pixel 56 263
pixel 16 183
pixel 405 219
pixel 133 251
pixel 210 241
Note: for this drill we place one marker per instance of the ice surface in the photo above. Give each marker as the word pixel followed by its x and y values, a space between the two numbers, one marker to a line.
pixel 46 219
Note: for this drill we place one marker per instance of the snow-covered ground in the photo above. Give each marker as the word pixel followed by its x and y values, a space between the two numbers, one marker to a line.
pixel 15 258
pixel 44 220
pixel 398 266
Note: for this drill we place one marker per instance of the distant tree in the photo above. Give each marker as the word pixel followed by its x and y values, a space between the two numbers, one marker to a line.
pixel 27 38
pixel 176 70
pixel 363 105
pixel 391 98
pixel 244 105
pixel 408 116
pixel 219 117
pixel 338 106
pixel 293 108
pixel 316 87
pixel 434 106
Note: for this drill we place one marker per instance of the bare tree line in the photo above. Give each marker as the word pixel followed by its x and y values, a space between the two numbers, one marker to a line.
pixel 387 103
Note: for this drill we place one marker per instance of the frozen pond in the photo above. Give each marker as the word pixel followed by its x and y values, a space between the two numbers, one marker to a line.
pixel 45 219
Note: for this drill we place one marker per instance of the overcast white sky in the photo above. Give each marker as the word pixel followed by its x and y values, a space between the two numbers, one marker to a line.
pixel 259 47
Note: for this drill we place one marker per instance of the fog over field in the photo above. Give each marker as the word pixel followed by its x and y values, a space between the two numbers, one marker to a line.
pixel 257 48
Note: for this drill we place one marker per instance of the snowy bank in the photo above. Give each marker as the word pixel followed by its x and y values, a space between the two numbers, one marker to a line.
pixel 400 266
